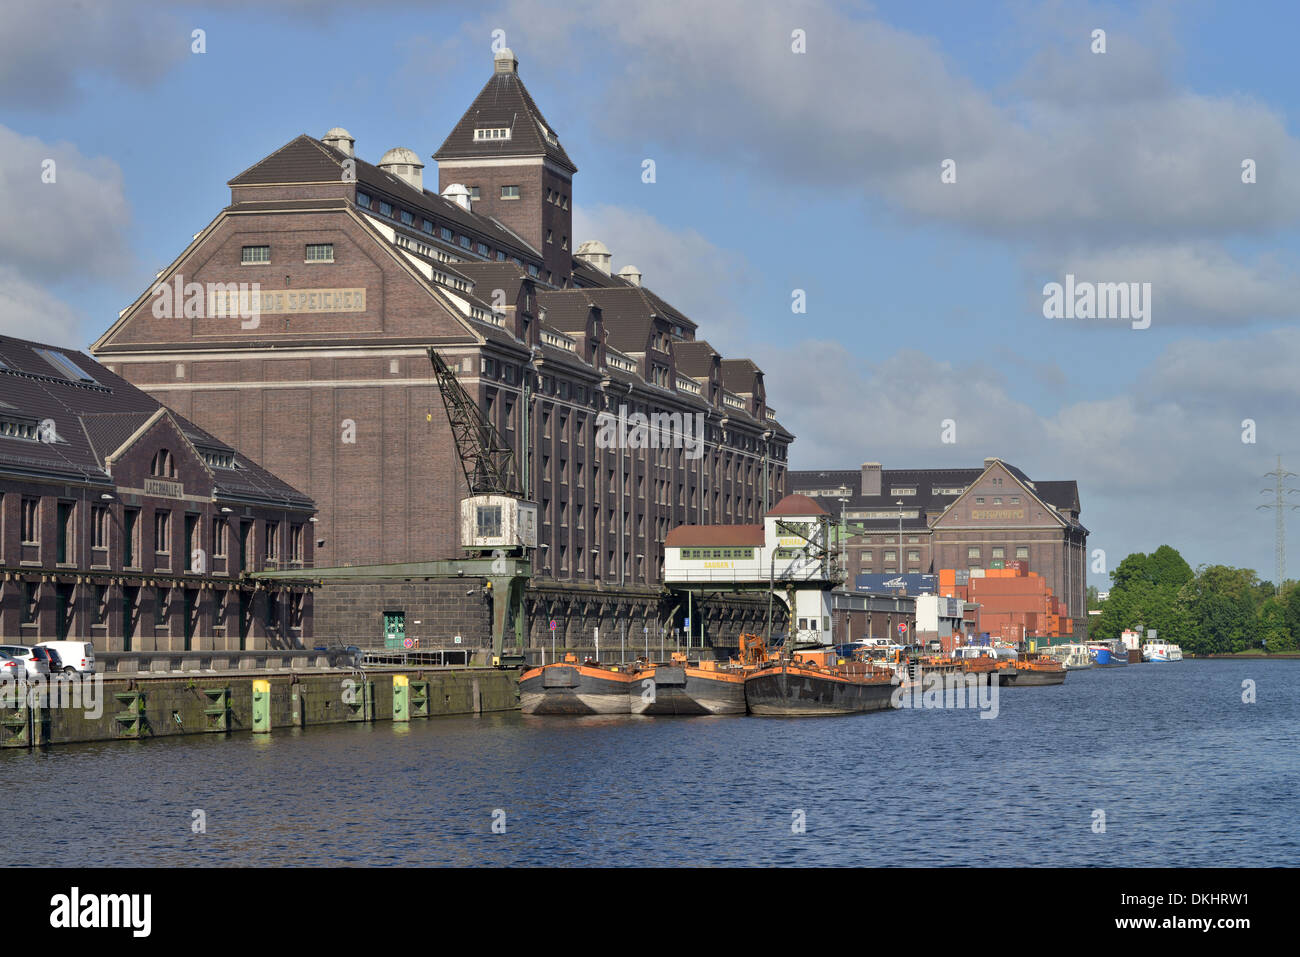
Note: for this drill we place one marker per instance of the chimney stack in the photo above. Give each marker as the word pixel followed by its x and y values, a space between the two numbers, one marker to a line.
pixel 405 165
pixel 504 61
pixel 458 194
pixel 340 139
pixel 595 253
pixel 871 478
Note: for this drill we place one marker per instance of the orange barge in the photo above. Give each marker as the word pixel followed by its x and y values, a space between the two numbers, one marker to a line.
pixel 682 687
pixel 570 688
pixel 814 683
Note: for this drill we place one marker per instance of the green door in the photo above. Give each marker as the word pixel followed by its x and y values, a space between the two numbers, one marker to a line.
pixel 394 629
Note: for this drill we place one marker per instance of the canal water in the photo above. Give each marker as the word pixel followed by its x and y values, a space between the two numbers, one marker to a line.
pixel 1184 772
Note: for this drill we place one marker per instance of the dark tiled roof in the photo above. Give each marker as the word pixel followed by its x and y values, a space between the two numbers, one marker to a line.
pixel 307 160
pixel 567 309
pixel 504 101
pixel 301 160
pixel 489 276
pixel 740 375
pixel 1062 494
pixel 93 419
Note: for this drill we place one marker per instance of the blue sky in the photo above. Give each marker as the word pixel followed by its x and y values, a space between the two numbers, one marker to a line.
pixel 777 171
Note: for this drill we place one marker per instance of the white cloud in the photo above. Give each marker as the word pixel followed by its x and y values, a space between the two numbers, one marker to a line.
pixel 679 265
pixel 29 312
pixel 49 49
pixel 74 226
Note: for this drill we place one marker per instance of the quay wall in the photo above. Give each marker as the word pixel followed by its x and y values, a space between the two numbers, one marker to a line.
pixel 142 707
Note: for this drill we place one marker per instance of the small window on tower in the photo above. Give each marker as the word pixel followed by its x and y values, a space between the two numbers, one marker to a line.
pixel 509 192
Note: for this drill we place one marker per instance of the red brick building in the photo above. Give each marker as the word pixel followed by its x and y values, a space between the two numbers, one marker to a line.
pixel 975 518
pixel 359 268
pixel 125 524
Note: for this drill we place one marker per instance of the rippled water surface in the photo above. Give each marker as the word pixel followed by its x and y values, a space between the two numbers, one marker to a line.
pixel 1186 773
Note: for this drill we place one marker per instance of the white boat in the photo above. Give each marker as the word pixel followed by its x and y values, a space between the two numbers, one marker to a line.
pixel 1074 657
pixel 1160 650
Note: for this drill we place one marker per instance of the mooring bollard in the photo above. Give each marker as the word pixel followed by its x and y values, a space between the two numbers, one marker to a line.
pixel 401 700
pixel 261 706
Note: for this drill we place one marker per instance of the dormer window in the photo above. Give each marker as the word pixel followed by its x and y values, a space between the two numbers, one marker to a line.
pixel 490 133
pixel 163 466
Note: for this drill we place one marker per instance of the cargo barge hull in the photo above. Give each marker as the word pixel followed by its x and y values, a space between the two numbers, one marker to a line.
pixel 565 689
pixel 674 690
pixel 793 691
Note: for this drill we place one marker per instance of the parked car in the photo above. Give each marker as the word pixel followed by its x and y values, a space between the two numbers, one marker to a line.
pixel 11 669
pixel 55 662
pixel 35 658
pixel 75 657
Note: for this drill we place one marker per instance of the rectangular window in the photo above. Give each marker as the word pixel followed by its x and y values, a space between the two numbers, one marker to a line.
pixel 999 552
pixel 973 553
pixel 509 192
pixel 913 555
pixel 31 531
pixel 162 531
pixel 64 547
pixel 194 542
pixel 891 556
pixel 220 536
pixel 1015 500
pixel 131 538
pixel 445 233
pixel 295 543
pixel 255 254
pixel 1022 552
pixel 465 242
pixel 501 255
pixel 979 500
pixel 385 209
pixel 99 526
pixel 272 541
pixel 363 200
pixel 482 249
pixel 427 227
pixel 473 193
pixel 320 252
pixel 407 218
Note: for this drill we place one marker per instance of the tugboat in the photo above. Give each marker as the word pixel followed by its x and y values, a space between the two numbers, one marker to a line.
pixel 569 688
pixel 683 687
pixel 818 683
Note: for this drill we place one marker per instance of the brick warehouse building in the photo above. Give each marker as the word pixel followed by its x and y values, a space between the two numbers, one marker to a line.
pixel 961 519
pixel 360 269
pixel 124 524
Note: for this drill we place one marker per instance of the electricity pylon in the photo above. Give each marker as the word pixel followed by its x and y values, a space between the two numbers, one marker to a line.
pixel 1279 506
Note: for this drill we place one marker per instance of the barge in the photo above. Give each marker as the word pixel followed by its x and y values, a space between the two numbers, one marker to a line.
pixel 816 683
pixel 682 687
pixel 569 688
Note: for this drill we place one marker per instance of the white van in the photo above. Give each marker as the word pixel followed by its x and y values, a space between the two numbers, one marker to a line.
pixel 78 657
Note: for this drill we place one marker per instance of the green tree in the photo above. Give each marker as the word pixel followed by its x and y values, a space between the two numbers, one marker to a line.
pixel 1222 604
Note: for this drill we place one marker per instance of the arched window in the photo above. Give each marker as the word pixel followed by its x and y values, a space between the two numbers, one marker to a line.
pixel 163 465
